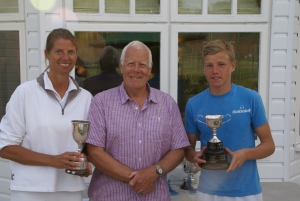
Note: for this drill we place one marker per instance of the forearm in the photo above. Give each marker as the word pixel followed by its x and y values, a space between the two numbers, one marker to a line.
pixel 266 146
pixel 171 160
pixel 107 164
pixel 264 149
pixel 25 156
pixel 190 153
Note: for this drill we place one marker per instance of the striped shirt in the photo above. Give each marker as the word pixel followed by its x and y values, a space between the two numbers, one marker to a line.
pixel 138 138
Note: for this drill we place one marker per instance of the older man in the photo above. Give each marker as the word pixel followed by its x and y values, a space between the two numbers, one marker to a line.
pixel 136 135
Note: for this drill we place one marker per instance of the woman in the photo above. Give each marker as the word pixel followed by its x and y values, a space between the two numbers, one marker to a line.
pixel 36 131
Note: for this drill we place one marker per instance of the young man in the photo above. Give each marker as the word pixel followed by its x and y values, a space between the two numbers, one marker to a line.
pixel 136 135
pixel 240 182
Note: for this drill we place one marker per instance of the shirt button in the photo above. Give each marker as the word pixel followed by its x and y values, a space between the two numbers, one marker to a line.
pixel 140 141
pixel 140 159
pixel 139 124
pixel 136 108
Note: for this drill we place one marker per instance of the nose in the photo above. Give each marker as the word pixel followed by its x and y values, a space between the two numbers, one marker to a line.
pixel 214 69
pixel 65 55
pixel 136 66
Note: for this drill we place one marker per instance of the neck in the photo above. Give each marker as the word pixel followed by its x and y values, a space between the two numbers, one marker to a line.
pixel 60 83
pixel 138 95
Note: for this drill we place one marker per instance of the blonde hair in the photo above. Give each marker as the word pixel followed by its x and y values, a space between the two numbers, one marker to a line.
pixel 216 46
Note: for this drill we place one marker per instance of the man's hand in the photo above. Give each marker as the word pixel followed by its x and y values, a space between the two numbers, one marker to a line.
pixel 238 158
pixel 143 180
pixel 198 158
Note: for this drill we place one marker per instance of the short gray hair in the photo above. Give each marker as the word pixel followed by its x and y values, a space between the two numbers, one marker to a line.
pixel 137 45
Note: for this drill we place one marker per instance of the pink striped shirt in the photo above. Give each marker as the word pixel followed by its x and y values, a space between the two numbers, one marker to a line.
pixel 136 138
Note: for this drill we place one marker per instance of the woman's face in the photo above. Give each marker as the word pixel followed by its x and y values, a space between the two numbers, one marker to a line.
pixel 62 56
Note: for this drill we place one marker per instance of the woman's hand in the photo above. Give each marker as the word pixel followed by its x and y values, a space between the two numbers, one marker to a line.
pixel 68 160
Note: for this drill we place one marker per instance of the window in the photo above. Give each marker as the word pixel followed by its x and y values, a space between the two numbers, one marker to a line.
pixel 92 38
pixel 188 78
pixel 11 57
pixel 220 11
pixel 118 10
pixel 90 45
pixel 11 10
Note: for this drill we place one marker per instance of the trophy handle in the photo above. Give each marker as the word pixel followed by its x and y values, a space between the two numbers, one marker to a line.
pixel 200 120
pixel 228 119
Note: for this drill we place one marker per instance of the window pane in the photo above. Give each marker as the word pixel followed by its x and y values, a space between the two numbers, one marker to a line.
pixel 189 6
pixel 248 7
pixel 219 6
pixel 9 6
pixel 90 45
pixel 190 64
pixel 147 6
pixel 86 6
pixel 117 6
pixel 9 66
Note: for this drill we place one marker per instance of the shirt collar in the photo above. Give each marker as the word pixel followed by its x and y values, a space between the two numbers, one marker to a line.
pixel 49 85
pixel 124 96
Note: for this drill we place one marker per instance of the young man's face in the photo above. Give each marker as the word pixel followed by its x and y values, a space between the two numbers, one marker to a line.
pixel 218 69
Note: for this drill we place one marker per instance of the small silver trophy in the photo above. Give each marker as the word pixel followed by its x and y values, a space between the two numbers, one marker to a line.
pixel 80 133
pixel 189 182
pixel 215 155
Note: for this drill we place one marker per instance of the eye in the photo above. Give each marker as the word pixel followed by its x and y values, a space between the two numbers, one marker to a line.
pixel 143 65
pixel 58 51
pixel 71 52
pixel 130 64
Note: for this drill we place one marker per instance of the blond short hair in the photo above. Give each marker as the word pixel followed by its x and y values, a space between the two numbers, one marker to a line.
pixel 216 46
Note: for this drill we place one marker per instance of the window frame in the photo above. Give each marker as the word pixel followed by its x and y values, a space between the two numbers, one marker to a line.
pixel 109 17
pixel 232 18
pixel 263 52
pixel 14 16
pixel 22 47
pixel 164 41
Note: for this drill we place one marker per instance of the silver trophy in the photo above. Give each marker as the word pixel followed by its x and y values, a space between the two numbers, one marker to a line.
pixel 215 155
pixel 80 133
pixel 189 182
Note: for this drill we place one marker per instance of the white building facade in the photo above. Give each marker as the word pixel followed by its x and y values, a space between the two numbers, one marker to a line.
pixel 270 30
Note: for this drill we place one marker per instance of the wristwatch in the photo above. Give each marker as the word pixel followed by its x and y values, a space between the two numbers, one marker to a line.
pixel 159 170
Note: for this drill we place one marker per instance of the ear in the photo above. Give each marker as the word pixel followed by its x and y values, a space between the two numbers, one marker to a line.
pixel 45 53
pixel 233 64
pixel 121 67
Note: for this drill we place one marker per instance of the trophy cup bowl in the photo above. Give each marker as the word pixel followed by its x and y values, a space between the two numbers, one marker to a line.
pixel 80 133
pixel 215 155
pixel 189 182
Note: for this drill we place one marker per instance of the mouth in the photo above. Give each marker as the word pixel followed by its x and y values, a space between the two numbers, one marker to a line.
pixel 135 77
pixel 64 64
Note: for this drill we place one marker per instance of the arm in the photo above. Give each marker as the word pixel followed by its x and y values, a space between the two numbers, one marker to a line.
pixel 25 156
pixel 143 180
pixel 107 164
pixel 191 154
pixel 264 149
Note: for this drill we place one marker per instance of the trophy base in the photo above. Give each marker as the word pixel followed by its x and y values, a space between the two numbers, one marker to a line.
pixel 78 172
pixel 214 166
pixel 184 185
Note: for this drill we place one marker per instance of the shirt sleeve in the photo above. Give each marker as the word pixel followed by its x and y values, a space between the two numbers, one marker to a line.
pixel 12 126
pixel 180 138
pixel 97 133
pixel 190 125
pixel 258 111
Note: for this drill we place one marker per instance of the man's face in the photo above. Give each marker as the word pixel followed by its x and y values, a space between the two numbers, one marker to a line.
pixel 218 69
pixel 135 68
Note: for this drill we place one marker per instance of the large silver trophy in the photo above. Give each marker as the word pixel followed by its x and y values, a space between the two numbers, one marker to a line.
pixel 80 133
pixel 215 155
